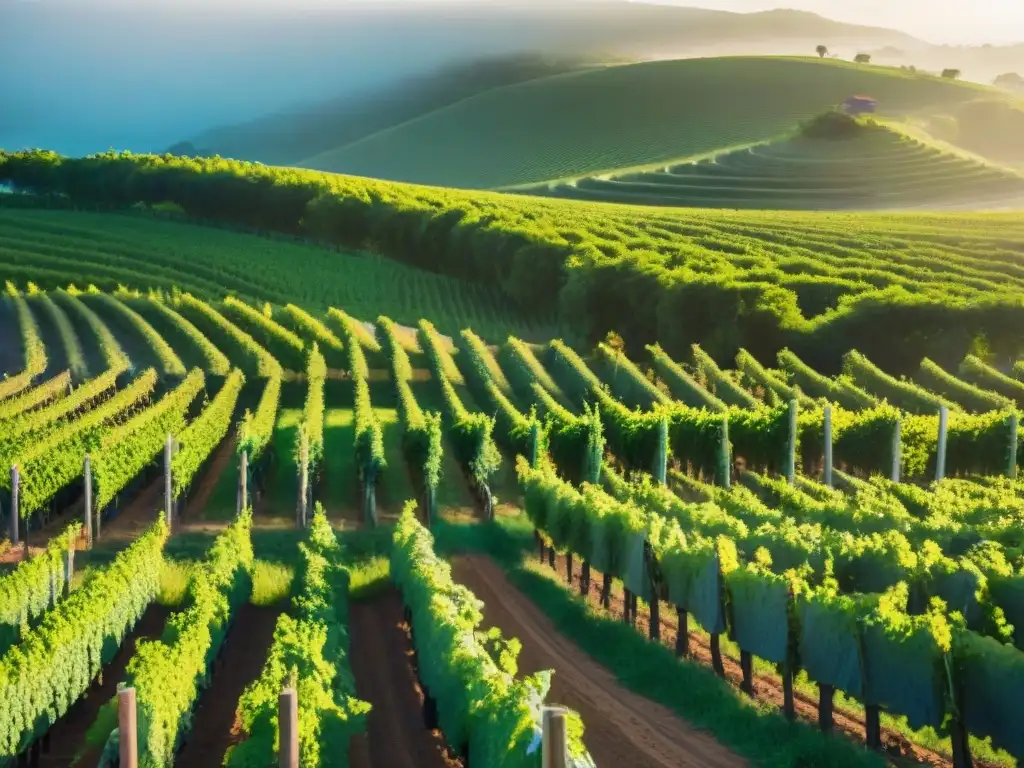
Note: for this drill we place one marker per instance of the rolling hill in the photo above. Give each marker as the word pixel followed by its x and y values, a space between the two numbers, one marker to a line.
pixel 288 137
pixel 877 168
pixel 582 123
pixel 485 46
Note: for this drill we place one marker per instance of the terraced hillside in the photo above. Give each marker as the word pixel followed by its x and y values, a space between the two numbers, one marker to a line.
pixel 879 168
pixel 619 117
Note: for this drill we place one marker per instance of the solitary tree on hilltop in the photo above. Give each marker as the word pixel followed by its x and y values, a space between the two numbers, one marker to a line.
pixel 822 51
pixel 951 74
pixel 862 58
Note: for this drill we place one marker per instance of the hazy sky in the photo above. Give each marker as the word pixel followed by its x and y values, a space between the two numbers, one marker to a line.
pixel 939 21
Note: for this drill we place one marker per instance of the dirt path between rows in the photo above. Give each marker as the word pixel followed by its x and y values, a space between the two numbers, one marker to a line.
pixel 622 728
pixel 381 656
pixel 767 688
pixel 67 736
pixel 222 457
pixel 240 661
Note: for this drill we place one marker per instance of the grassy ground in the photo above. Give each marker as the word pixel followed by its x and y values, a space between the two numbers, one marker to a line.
pixel 396 485
pixel 341 490
pixel 623 116
pixel 282 488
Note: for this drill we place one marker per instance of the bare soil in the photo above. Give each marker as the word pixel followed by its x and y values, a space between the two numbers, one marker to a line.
pixel 134 518
pixel 67 736
pixel 222 457
pixel 382 660
pixel 622 728
pixel 239 662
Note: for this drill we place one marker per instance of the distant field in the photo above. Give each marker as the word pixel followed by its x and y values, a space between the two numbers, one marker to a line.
pixel 53 248
pixel 879 169
pixel 619 117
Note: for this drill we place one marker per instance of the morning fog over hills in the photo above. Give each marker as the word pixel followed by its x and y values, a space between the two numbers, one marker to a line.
pixel 148 76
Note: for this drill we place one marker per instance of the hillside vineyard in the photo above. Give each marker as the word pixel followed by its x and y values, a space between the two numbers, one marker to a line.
pixel 678 425
pixel 896 287
pixel 862 528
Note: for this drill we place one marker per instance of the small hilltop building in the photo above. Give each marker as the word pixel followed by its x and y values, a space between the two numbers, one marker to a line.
pixel 860 105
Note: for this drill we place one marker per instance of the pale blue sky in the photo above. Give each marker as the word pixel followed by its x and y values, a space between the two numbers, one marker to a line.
pixel 940 21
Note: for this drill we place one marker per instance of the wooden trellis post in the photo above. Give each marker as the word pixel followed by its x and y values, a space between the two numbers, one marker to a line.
pixel 724 455
pixel 15 478
pixel 127 729
pixel 940 452
pixel 69 568
pixel 554 744
pixel 660 468
pixel 288 729
pixel 1011 465
pixel 897 452
pixel 826 469
pixel 303 479
pixel 87 476
pixel 791 445
pixel 168 486
pixel 243 482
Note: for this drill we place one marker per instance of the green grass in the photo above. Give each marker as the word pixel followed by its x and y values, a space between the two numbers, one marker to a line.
pixel 368 577
pixel 339 461
pixel 56 247
pixel 99 732
pixel 878 169
pixel 271 580
pixel 175 576
pixel 223 502
pixel 283 483
pixel 452 488
pixel 271 583
pixel 395 484
pixel 624 116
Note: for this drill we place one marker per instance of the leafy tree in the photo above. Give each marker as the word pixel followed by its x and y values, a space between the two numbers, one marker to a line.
pixel 1010 80
pixel 862 58
pixel 822 51
pixel 951 74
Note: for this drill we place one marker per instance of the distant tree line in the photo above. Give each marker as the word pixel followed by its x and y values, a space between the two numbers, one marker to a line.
pixel 950 74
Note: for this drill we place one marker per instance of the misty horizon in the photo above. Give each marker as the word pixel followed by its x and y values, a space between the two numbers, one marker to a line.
pixel 82 76
pixel 995 22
